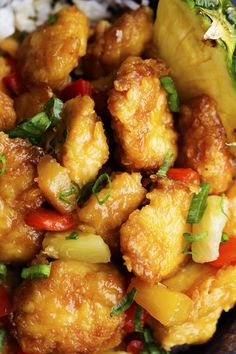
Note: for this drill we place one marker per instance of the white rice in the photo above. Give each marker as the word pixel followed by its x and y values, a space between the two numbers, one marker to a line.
pixel 26 15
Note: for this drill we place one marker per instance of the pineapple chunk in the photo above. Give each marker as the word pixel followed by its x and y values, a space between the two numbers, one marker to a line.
pixel 183 35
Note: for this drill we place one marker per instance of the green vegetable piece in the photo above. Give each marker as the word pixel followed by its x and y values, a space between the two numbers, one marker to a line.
pixel 138 319
pixel 97 187
pixel 166 165
pixel 173 98
pixel 150 346
pixel 208 4
pixel 53 109
pixel 124 303
pixel 73 191
pixel 198 204
pixel 52 19
pixel 193 238
pixel 73 236
pixel 222 206
pixel 36 271
pixel 3 163
pixel 3 335
pixel 3 272
pixel 224 238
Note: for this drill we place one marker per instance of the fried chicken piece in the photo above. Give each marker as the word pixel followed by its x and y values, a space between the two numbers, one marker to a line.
pixel 204 144
pixel 18 194
pixel 126 195
pixel 30 103
pixel 113 44
pixel 52 51
pixel 210 297
pixel 7 112
pixel 152 238
pixel 141 119
pixel 85 149
pixel 5 70
pixel 230 227
pixel 70 311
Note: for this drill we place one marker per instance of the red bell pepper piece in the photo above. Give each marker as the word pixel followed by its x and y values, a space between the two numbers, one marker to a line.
pixel 49 220
pixel 135 346
pixel 77 88
pixel 187 175
pixel 130 318
pixel 227 254
pixel 5 307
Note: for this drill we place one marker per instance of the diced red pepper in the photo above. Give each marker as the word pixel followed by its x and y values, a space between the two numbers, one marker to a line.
pixel 130 318
pixel 227 254
pixel 135 346
pixel 49 220
pixel 5 307
pixel 77 88
pixel 187 175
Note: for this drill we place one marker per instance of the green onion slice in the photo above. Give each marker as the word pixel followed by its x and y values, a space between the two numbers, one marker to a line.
pixel 138 319
pixel 3 163
pixel 124 303
pixel 52 19
pixel 36 271
pixel 166 165
pixel 173 98
pixel 73 236
pixel 3 335
pixel 53 109
pixel 222 206
pixel 74 190
pixel 3 272
pixel 193 238
pixel 97 187
pixel 150 346
pixel 198 204
pixel 224 237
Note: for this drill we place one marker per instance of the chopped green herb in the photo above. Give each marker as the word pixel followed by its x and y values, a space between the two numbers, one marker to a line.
pixel 166 165
pixel 138 319
pixel 198 204
pixel 96 188
pixel 150 346
pixel 53 109
pixel 224 237
pixel 3 272
pixel 73 236
pixel 3 163
pixel 52 19
pixel 3 335
pixel 124 303
pixel 36 271
pixel 222 206
pixel 193 238
pixel 73 191
pixel 173 98
pixel 32 129
pixel 208 4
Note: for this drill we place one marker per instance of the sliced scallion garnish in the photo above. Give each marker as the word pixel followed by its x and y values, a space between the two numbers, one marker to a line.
pixel 3 335
pixel 97 185
pixel 224 237
pixel 173 98
pixel 3 272
pixel 53 109
pixel 52 19
pixel 150 346
pixel 65 195
pixel 138 319
pixel 73 236
pixel 166 165
pixel 124 303
pixel 3 164
pixel 198 204
pixel 193 238
pixel 36 271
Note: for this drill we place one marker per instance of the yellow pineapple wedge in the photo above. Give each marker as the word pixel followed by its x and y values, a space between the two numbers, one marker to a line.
pixel 197 39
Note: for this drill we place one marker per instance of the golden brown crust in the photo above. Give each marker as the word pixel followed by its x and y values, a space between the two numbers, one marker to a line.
pixel 204 143
pixel 230 227
pixel 152 238
pixel 7 112
pixel 140 116
pixel 52 51
pixel 18 194
pixel 127 194
pixel 69 312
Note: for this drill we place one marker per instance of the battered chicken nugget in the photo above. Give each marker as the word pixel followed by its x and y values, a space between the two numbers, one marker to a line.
pixel 30 103
pixel 204 143
pixel 51 52
pixel 85 149
pixel 230 227
pixel 7 112
pixel 18 194
pixel 141 119
pixel 126 195
pixel 127 36
pixel 5 70
pixel 70 311
pixel 210 298
pixel 152 239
